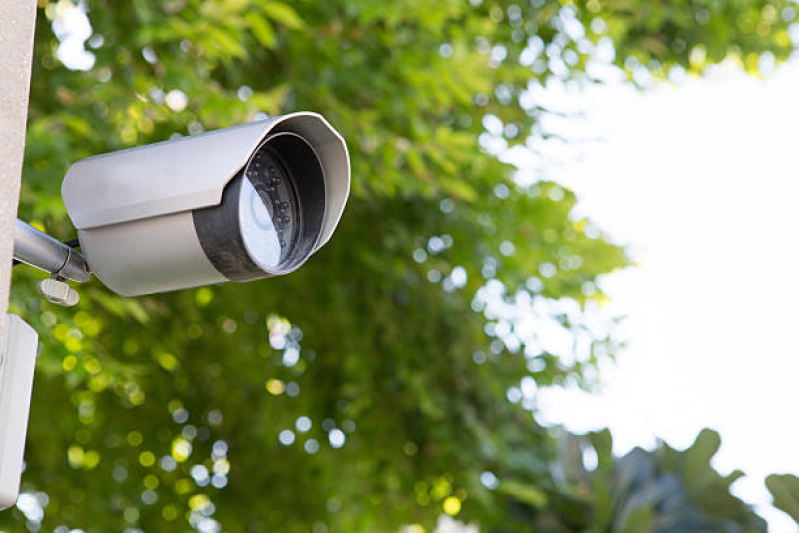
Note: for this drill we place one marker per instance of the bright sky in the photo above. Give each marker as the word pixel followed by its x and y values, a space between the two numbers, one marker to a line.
pixel 703 181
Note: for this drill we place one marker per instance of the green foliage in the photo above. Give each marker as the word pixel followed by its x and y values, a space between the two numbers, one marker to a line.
pixel 659 491
pixel 784 488
pixel 390 337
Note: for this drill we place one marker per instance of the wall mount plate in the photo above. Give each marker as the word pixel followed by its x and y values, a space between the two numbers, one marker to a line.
pixel 17 361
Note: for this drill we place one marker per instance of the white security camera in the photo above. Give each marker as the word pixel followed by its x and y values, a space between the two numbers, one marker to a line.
pixel 235 204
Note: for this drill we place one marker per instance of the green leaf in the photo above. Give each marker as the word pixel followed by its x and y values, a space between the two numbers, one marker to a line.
pixel 261 29
pixel 698 456
pixel 283 13
pixel 602 442
pixel 784 488
pixel 524 492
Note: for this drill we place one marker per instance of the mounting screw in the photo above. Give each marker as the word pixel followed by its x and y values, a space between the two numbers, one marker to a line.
pixel 58 292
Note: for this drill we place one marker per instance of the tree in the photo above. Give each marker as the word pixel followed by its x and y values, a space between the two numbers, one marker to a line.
pixel 662 491
pixel 399 344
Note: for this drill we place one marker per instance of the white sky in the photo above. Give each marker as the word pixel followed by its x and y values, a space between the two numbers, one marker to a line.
pixel 703 181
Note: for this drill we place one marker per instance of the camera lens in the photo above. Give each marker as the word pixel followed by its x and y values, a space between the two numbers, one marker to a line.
pixel 271 214
pixel 269 210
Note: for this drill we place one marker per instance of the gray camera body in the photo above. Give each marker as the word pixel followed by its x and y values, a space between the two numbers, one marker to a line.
pixel 236 204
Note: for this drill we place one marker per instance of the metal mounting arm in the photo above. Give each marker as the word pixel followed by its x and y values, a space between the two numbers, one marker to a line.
pixel 40 250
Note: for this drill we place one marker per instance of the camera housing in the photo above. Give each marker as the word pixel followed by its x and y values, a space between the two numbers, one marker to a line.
pixel 235 204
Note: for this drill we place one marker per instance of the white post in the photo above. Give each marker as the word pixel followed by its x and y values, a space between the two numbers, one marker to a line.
pixel 17 21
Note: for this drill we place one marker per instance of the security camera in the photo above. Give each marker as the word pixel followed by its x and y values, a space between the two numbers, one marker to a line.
pixel 236 204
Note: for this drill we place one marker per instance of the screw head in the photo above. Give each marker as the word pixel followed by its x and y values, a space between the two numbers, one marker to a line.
pixel 58 292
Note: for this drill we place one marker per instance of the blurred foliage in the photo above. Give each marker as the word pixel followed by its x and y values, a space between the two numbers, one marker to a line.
pixel 659 491
pixel 784 488
pixel 399 367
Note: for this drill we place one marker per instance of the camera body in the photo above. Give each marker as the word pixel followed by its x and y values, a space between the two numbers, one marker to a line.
pixel 235 204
